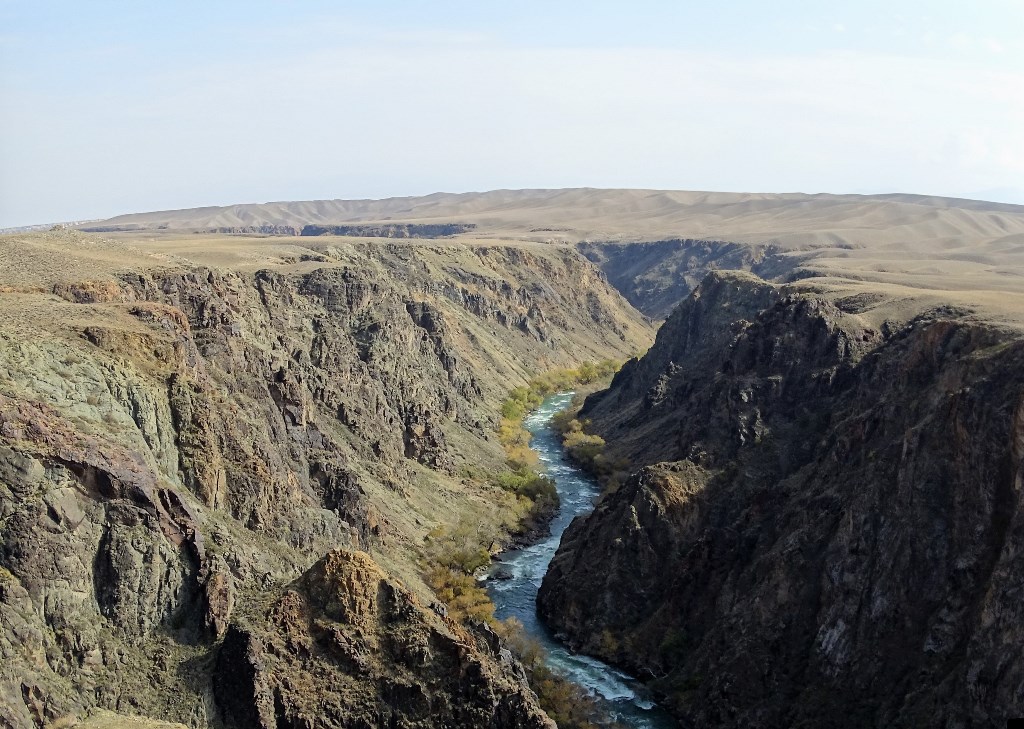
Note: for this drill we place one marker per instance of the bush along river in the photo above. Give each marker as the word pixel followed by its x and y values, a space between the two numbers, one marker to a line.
pixel 516 577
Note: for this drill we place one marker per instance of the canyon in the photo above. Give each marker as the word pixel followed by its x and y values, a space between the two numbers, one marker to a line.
pixel 823 524
pixel 182 445
pixel 225 448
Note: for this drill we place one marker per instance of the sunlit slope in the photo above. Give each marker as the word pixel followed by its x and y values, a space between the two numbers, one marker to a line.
pixel 793 220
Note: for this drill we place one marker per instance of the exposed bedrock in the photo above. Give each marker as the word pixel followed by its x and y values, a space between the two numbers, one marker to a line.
pixel 344 646
pixel 179 445
pixel 825 527
pixel 655 276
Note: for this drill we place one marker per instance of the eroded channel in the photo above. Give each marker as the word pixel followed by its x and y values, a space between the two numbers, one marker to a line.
pixel 516 577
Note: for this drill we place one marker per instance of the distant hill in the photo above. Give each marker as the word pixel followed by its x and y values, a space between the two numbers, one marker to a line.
pixel 793 220
pixel 656 245
pixel 48 226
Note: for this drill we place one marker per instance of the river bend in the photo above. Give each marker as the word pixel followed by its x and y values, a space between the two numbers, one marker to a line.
pixel 516 577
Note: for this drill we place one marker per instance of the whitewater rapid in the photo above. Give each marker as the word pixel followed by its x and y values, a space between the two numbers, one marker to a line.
pixel 516 577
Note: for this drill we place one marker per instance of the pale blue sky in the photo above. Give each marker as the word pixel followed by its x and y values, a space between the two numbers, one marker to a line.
pixel 112 107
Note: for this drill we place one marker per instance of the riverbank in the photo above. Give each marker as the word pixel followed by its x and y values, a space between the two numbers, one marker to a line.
pixel 516 576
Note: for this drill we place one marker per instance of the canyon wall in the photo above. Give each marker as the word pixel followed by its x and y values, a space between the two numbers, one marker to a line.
pixel 181 444
pixel 655 276
pixel 825 520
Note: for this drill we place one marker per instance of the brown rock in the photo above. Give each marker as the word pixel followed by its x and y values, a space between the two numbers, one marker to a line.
pixel 345 646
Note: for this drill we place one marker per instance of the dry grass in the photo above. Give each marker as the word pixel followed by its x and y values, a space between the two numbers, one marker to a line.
pixel 914 251
pixel 792 220
pixel 101 719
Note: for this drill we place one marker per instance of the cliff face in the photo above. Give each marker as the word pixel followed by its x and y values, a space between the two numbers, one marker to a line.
pixel 344 646
pixel 179 442
pixel 655 276
pixel 380 230
pixel 826 526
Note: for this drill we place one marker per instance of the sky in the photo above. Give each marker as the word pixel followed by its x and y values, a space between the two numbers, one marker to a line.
pixel 117 107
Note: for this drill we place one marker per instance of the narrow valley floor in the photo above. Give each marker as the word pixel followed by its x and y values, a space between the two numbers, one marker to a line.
pixel 515 579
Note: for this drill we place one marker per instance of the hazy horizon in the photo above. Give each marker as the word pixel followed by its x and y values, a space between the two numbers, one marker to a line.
pixel 112 109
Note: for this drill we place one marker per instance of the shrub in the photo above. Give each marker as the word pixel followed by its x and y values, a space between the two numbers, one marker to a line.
pixel 568 704
pixel 565 421
pixel 584 448
pixel 525 482
pixel 461 594
pixel 452 556
pixel 462 548
pixel 587 450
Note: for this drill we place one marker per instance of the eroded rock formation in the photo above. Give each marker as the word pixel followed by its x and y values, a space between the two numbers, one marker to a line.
pixel 655 276
pixel 826 523
pixel 180 442
pixel 345 646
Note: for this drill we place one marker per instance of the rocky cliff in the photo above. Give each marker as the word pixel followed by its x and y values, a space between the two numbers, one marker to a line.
pixel 655 276
pixel 826 521
pixel 180 440
pixel 345 646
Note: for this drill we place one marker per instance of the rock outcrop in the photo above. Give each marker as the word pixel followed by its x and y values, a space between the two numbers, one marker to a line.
pixel 656 276
pixel 344 646
pixel 391 230
pixel 179 441
pixel 825 525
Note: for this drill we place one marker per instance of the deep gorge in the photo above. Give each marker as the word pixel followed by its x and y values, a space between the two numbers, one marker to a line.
pixel 222 462
pixel 514 578
pixel 795 461
pixel 191 456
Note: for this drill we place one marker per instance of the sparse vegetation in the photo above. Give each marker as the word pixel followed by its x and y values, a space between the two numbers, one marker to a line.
pixel 516 439
pixel 528 484
pixel 567 703
pixel 454 555
pixel 523 399
pixel 588 450
pixel 463 597
pixel 462 548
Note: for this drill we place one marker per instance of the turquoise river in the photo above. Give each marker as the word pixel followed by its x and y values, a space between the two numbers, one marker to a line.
pixel 516 577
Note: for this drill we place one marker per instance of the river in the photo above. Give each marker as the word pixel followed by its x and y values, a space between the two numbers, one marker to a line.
pixel 521 572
